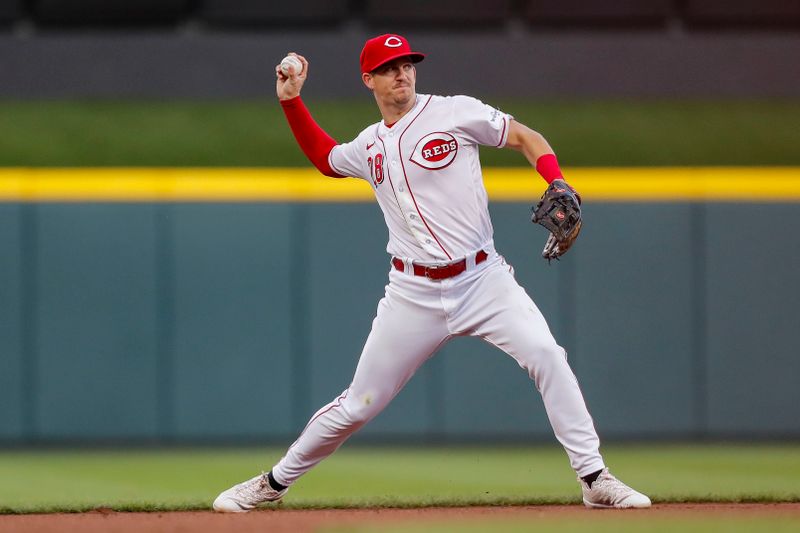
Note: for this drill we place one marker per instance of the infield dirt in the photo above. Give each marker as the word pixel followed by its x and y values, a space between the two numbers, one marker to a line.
pixel 304 521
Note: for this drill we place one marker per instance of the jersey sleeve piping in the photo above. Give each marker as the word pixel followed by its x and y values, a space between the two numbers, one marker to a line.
pixel 339 173
pixel 504 133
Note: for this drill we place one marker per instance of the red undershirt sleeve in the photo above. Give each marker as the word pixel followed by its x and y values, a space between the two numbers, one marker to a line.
pixel 313 140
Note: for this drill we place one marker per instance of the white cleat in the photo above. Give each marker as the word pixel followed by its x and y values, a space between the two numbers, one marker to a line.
pixel 608 492
pixel 246 496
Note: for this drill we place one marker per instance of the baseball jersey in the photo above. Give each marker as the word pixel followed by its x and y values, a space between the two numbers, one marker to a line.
pixel 426 174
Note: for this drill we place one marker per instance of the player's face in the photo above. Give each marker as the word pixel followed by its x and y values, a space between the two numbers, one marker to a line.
pixel 394 81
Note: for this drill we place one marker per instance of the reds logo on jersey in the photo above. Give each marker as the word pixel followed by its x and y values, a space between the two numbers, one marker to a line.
pixel 435 150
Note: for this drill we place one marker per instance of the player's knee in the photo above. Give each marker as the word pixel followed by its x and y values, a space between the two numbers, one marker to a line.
pixel 544 358
pixel 552 355
pixel 361 409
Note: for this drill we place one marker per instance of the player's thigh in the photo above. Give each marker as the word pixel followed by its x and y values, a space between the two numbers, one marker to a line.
pixel 511 320
pixel 405 333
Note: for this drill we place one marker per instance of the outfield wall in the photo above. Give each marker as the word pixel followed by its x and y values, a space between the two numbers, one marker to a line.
pixel 169 319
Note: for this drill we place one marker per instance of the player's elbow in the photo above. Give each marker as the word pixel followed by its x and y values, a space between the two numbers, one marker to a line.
pixel 319 159
pixel 326 170
pixel 521 136
pixel 530 142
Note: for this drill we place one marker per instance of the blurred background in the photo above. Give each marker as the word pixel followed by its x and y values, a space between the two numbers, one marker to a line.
pixel 524 48
pixel 163 319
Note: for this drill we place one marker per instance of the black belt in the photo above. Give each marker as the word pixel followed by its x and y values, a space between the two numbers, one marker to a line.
pixel 442 271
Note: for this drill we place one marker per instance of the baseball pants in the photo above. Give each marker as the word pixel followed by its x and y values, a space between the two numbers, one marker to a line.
pixel 414 319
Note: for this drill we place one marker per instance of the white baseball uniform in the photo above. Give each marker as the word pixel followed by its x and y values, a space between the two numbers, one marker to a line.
pixel 426 175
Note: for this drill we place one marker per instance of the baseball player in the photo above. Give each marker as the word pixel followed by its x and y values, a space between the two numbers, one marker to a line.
pixel 445 279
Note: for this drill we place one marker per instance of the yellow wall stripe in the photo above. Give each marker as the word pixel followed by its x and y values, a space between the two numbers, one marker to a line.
pixel 660 184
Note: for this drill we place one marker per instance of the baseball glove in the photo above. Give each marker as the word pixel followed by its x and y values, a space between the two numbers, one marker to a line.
pixel 559 211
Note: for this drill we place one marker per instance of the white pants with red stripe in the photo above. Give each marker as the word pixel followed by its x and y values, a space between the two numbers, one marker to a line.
pixel 415 318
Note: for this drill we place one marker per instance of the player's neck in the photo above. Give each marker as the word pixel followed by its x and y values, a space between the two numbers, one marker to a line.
pixel 392 112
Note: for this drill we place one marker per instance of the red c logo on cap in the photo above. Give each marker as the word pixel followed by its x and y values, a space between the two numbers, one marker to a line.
pixel 393 42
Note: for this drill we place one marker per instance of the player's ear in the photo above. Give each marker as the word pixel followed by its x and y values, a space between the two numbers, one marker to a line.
pixel 366 77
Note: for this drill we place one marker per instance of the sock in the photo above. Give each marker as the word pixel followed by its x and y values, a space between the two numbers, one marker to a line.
pixel 591 478
pixel 277 486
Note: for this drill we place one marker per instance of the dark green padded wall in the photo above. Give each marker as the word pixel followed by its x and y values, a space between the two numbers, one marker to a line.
pixel 229 269
pixel 633 320
pixel 95 321
pixel 238 321
pixel 753 279
pixel 12 375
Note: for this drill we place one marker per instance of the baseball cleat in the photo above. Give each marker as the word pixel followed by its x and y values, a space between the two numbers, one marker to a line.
pixel 246 496
pixel 608 492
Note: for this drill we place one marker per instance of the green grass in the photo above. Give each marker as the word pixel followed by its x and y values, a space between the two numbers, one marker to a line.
pixel 44 481
pixel 254 133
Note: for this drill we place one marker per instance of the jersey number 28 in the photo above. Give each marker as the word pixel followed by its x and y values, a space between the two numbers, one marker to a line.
pixel 376 171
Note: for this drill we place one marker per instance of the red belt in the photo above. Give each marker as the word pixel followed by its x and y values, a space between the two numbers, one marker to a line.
pixel 440 272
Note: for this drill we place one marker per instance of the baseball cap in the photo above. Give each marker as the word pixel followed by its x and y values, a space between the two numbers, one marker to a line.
pixel 384 48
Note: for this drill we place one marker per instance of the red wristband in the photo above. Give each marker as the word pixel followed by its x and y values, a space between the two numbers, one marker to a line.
pixel 547 166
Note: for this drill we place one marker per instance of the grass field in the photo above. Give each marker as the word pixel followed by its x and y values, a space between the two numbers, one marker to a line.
pixel 606 133
pixel 42 481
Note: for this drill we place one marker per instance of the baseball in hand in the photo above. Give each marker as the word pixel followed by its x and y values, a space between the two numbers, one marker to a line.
pixel 293 62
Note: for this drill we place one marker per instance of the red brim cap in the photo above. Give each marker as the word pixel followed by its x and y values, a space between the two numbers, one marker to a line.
pixel 384 48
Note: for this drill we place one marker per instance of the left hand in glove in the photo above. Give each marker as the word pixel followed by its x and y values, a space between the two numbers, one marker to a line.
pixel 559 211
